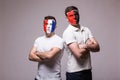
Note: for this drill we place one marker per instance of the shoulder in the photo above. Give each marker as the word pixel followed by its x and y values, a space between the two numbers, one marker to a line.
pixel 68 31
pixel 58 38
pixel 69 28
pixel 58 42
pixel 39 38
pixel 86 28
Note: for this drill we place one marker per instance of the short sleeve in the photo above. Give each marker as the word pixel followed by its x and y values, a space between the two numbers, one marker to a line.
pixel 36 43
pixel 68 37
pixel 60 44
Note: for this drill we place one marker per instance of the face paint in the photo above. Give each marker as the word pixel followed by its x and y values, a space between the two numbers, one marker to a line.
pixel 49 25
pixel 73 17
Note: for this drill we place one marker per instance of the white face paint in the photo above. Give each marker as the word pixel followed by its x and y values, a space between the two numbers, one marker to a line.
pixel 49 26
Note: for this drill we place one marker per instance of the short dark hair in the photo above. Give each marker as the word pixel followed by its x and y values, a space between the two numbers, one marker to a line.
pixel 69 8
pixel 50 17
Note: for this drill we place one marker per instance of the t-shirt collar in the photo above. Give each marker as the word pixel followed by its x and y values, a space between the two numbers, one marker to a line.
pixel 76 29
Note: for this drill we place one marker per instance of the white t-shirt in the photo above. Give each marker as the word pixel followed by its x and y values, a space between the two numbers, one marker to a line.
pixel 49 70
pixel 72 34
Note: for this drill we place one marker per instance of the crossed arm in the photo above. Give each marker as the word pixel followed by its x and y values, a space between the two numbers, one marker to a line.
pixel 37 56
pixel 92 45
pixel 79 49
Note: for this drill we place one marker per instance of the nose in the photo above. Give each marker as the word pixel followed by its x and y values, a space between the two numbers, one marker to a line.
pixel 74 16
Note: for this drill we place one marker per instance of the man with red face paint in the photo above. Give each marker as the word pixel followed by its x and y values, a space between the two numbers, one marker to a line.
pixel 80 42
pixel 47 51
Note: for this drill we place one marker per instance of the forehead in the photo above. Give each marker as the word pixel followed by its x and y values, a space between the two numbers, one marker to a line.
pixel 49 20
pixel 72 12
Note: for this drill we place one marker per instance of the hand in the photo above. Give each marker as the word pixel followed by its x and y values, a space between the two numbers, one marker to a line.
pixel 38 53
pixel 89 42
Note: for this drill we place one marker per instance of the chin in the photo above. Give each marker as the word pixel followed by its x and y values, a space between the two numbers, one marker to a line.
pixel 48 34
pixel 74 24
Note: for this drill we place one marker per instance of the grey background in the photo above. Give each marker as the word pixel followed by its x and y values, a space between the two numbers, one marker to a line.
pixel 21 23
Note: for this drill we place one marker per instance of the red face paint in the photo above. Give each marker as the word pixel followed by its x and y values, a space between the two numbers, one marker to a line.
pixel 45 24
pixel 73 17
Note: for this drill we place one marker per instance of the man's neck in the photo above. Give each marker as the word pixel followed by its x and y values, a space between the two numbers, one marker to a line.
pixel 50 35
pixel 77 26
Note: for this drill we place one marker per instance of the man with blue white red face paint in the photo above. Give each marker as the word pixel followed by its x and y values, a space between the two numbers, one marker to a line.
pixel 47 51
pixel 80 42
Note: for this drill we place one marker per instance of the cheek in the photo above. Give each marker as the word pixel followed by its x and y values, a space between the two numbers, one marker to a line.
pixel 44 27
pixel 48 28
pixel 77 17
pixel 71 20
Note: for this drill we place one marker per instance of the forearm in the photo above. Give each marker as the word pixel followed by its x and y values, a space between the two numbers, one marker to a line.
pixel 93 47
pixel 77 49
pixel 34 57
pixel 83 49
pixel 43 55
pixel 80 52
pixel 48 54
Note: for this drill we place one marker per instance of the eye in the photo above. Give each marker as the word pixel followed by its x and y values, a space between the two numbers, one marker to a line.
pixel 71 15
pixel 45 23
